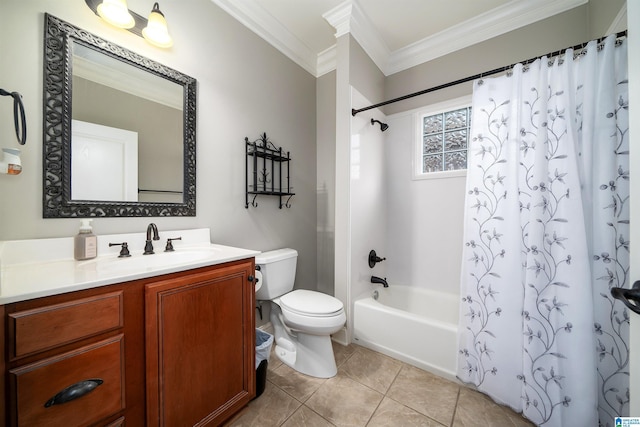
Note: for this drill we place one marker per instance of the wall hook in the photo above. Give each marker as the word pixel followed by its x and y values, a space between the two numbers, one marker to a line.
pixel 287 204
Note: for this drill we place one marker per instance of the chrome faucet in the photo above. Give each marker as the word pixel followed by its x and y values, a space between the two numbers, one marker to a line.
pixel 148 247
pixel 383 282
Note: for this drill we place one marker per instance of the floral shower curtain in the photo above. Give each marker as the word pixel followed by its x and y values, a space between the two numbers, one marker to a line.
pixel 546 237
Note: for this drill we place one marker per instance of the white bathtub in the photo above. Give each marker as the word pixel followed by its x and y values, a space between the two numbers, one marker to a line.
pixel 417 326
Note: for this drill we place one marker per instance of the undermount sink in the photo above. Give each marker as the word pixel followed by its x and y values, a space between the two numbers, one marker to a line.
pixel 153 261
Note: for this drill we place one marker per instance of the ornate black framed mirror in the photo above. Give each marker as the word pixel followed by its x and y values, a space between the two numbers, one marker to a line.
pixel 119 130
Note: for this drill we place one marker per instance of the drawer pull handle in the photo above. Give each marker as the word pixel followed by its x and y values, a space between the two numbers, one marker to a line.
pixel 74 391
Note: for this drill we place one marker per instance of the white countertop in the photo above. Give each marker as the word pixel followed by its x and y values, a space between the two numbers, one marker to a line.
pixel 43 267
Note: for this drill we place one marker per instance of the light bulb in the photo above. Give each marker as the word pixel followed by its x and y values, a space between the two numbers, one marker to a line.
pixel 156 31
pixel 115 12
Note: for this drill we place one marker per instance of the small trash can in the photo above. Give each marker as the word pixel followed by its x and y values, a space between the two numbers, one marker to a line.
pixel 264 341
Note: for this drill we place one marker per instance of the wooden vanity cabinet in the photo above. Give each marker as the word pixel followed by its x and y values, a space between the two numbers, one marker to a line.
pixel 64 359
pixel 200 347
pixel 172 350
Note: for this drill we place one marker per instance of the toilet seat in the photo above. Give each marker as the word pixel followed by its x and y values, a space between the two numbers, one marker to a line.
pixel 310 303
pixel 313 312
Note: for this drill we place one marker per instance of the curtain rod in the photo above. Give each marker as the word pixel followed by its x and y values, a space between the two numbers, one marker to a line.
pixel 477 76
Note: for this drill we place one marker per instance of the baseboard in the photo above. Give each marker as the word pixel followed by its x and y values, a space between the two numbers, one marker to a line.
pixel 341 337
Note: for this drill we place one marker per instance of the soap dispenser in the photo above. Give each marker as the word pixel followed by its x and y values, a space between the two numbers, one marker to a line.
pixel 85 243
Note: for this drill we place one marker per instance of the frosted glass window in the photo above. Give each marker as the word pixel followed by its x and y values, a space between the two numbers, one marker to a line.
pixel 445 139
pixel 432 163
pixel 433 124
pixel 432 144
pixel 455 160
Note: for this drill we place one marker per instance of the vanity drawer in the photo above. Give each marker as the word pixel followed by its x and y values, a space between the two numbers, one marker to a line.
pixel 34 385
pixel 53 325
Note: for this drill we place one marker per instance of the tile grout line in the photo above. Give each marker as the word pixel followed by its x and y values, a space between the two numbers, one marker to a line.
pixel 285 392
pixel 406 365
pixel 320 415
pixel 304 403
pixel 383 394
pixel 345 359
pixel 455 408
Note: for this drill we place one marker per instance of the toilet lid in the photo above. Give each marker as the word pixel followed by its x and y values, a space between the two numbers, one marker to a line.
pixel 311 303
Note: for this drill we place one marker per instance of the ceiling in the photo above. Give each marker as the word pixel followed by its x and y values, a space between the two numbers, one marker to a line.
pixel 396 34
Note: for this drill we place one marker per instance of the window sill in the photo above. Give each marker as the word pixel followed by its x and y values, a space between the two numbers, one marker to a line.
pixel 440 175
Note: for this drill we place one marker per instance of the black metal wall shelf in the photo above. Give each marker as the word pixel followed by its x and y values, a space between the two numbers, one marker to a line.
pixel 264 164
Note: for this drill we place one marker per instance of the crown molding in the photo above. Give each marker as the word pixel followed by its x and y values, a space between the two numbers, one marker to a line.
pixel 364 32
pixel 348 17
pixel 340 17
pixel 135 83
pixel 501 20
pixel 253 16
pixel 326 61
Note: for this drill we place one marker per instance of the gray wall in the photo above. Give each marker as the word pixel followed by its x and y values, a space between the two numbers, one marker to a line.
pixel 245 87
pixel 364 74
pixel 601 14
pixel 326 179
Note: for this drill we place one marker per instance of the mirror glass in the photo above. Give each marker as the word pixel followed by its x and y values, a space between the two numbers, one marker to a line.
pixel 119 135
pixel 131 99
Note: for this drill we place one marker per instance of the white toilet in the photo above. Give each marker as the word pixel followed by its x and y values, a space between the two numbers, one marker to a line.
pixel 302 320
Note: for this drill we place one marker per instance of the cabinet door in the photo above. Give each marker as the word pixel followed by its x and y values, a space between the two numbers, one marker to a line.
pixel 200 345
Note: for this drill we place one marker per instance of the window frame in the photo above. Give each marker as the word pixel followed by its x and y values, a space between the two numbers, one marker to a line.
pixel 438 108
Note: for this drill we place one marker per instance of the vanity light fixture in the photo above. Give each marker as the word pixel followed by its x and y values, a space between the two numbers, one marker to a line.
pixel 156 31
pixel 115 12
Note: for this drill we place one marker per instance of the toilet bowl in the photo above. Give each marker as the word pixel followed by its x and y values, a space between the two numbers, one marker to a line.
pixel 303 320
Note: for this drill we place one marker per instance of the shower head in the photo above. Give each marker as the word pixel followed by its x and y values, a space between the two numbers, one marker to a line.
pixel 383 126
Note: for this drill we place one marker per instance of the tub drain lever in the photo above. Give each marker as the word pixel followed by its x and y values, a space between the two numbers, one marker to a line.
pixel 374 258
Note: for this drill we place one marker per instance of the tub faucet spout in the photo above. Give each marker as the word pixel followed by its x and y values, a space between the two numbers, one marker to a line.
pixel 383 282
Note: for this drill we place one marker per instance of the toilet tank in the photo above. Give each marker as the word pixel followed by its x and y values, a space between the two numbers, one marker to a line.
pixel 278 270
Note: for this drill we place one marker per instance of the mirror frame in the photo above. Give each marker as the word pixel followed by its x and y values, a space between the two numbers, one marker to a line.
pixel 59 37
